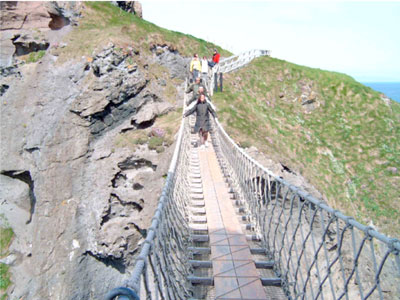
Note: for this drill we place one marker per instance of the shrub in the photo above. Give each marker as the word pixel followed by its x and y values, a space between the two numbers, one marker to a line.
pixel 140 141
pixel 160 149
pixel 35 56
pixel 245 144
pixel 155 142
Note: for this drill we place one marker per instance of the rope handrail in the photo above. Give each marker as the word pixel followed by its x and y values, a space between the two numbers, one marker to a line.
pixel 309 197
pixel 236 61
pixel 138 282
pixel 313 200
pixel 317 250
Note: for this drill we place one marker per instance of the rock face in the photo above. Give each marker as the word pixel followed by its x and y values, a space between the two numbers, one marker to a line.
pixel 24 25
pixel 131 6
pixel 79 206
pixel 23 15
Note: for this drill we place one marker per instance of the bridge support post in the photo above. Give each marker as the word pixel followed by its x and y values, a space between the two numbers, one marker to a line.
pixel 216 82
pixel 221 76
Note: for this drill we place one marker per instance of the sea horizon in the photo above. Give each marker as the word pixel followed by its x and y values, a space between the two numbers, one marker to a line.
pixel 391 88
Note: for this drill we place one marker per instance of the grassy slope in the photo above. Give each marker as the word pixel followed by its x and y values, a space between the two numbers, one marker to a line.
pixel 103 22
pixel 346 147
pixel 6 236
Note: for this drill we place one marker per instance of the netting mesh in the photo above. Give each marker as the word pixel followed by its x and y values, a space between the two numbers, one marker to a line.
pixel 237 61
pixel 318 252
pixel 162 268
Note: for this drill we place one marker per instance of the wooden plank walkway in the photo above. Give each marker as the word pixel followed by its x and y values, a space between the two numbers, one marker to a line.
pixel 234 272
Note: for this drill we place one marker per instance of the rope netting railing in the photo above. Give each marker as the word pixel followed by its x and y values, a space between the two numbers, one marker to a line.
pixel 319 253
pixel 162 267
pixel 236 61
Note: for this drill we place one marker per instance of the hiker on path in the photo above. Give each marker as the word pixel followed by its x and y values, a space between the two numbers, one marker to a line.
pixel 190 106
pixel 201 90
pixel 195 66
pixel 195 87
pixel 202 126
pixel 204 70
pixel 215 58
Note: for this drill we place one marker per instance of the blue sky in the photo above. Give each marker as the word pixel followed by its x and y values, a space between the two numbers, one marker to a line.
pixel 359 38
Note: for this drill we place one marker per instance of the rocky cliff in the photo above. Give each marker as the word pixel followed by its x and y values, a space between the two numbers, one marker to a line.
pixel 79 203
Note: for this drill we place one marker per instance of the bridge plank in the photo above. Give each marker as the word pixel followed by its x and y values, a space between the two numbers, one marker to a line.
pixel 235 273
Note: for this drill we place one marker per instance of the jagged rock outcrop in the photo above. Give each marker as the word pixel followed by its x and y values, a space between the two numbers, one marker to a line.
pixel 169 57
pixel 109 99
pixel 26 43
pixel 130 6
pixel 78 204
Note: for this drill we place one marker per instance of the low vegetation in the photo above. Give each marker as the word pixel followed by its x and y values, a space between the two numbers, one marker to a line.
pixel 35 56
pixel 6 236
pixel 103 22
pixel 339 134
pixel 158 137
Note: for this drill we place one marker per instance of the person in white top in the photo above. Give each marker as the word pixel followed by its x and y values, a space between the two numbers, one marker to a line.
pixel 204 70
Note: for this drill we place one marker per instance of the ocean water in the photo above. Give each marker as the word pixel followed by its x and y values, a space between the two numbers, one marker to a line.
pixel 390 89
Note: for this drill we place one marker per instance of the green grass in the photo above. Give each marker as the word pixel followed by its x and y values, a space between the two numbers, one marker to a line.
pixel 35 56
pixel 103 22
pixel 6 236
pixel 345 147
pixel 5 281
pixel 155 143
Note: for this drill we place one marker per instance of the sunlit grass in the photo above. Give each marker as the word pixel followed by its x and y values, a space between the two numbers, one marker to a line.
pixel 347 147
pixel 103 22
pixel 6 236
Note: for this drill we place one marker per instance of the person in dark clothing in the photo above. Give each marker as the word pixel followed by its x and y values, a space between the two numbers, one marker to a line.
pixel 202 125
pixel 195 86
pixel 201 90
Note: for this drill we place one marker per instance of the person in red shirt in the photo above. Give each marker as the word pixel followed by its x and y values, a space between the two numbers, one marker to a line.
pixel 215 59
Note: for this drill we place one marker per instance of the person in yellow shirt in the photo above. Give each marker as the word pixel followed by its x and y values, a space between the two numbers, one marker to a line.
pixel 195 66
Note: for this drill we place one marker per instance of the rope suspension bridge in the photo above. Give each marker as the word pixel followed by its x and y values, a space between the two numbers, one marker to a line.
pixel 228 228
